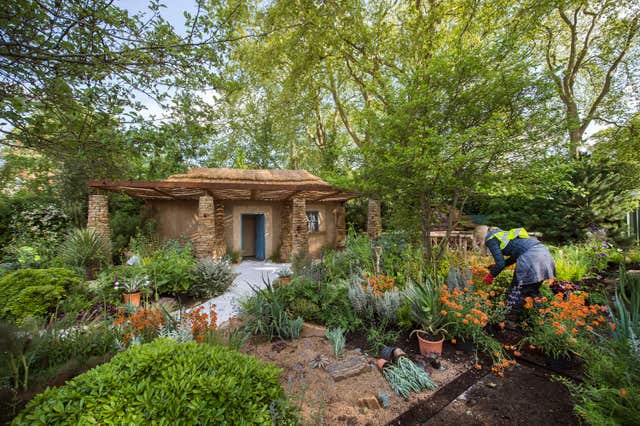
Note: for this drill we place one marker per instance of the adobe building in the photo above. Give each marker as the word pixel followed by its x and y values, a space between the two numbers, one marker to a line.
pixel 258 213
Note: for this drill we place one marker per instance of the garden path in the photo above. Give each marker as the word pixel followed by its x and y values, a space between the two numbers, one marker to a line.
pixel 250 273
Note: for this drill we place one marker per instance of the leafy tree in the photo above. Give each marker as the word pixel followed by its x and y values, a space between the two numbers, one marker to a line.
pixel 590 50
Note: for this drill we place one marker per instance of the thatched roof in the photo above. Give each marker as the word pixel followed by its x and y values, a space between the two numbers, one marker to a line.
pixel 231 184
pixel 262 176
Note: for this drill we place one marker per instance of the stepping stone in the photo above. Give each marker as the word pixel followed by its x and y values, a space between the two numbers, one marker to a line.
pixel 312 330
pixel 370 402
pixel 349 368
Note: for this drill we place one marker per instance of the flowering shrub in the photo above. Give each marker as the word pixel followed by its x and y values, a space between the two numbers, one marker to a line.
pixel 375 296
pixel 140 326
pixel 467 314
pixel 201 322
pixel 379 284
pixel 555 325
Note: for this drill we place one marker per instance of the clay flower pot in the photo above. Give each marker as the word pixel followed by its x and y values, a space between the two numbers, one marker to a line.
pixel 133 298
pixel 381 363
pixel 429 347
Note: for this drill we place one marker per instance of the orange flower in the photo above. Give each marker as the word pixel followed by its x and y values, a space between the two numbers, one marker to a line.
pixel 465 321
pixel 477 367
pixel 443 312
pixel 612 325
pixel 502 325
pixel 516 353
pixel 454 341
pixel 624 393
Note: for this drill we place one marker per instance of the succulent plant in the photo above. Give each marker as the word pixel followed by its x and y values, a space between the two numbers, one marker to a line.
pixel 319 361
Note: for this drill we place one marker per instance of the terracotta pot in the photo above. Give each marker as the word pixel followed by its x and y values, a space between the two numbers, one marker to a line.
pixel 430 347
pixel 381 363
pixel 133 298
pixel 397 353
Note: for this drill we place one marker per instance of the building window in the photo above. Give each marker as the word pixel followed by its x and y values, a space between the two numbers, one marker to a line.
pixel 313 221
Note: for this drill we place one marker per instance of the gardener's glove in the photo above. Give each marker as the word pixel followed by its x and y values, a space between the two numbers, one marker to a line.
pixel 488 279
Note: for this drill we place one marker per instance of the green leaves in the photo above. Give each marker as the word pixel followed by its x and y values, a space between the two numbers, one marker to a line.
pixel 182 384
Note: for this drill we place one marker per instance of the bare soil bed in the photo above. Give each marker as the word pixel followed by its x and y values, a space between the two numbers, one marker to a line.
pixel 325 401
pixel 465 396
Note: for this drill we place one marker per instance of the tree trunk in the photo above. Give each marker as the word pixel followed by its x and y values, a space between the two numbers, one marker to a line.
pixel 425 205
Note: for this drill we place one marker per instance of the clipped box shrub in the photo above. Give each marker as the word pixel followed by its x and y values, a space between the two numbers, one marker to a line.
pixel 165 382
pixel 34 292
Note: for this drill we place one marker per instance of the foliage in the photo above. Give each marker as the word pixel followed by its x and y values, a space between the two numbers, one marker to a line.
pixel 426 305
pixel 609 394
pixel 168 382
pixel 34 292
pixel 337 340
pixel 31 220
pixel 127 219
pixel 86 248
pixel 170 268
pixel 30 355
pixel 571 263
pixel 357 256
pixel 624 311
pixel 555 325
pixel 405 377
pixel 468 312
pixel 265 313
pixel 325 303
pixel 211 278
pixel 374 298
pixel 381 336
pixel 140 326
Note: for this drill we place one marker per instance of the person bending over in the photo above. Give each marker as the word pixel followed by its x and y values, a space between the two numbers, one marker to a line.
pixel 534 263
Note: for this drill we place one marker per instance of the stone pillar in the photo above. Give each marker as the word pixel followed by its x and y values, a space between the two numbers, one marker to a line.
pixel 98 216
pixel 374 220
pixel 285 231
pixel 299 227
pixel 341 227
pixel 219 246
pixel 204 238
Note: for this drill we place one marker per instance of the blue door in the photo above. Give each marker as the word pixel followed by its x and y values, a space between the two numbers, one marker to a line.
pixel 260 243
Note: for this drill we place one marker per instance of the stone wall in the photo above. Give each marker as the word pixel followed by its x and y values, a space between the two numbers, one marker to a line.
pixel 374 220
pixel 204 238
pixel 219 244
pixel 341 227
pixel 299 237
pixel 98 216
pixel 285 231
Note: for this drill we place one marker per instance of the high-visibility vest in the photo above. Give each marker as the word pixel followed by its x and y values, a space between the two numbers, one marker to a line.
pixel 505 236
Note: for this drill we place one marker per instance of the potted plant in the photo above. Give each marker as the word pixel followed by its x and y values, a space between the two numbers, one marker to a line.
pixel 132 289
pixel 284 275
pixel 427 310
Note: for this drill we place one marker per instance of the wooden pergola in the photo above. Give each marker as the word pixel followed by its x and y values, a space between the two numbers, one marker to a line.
pixel 224 191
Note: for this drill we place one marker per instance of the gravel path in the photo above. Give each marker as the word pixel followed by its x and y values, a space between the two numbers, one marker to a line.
pixel 250 272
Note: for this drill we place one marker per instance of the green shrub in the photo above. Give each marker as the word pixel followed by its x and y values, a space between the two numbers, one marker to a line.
pixel 305 308
pixel 168 383
pixel 572 263
pixel 34 292
pixel 170 268
pixel 86 248
pixel 211 278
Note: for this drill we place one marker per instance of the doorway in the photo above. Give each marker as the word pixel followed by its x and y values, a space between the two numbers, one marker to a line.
pixel 252 236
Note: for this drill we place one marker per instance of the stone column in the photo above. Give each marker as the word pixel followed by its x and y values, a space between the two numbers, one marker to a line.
pixel 98 216
pixel 219 246
pixel 374 220
pixel 205 235
pixel 285 231
pixel 300 229
pixel 341 227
